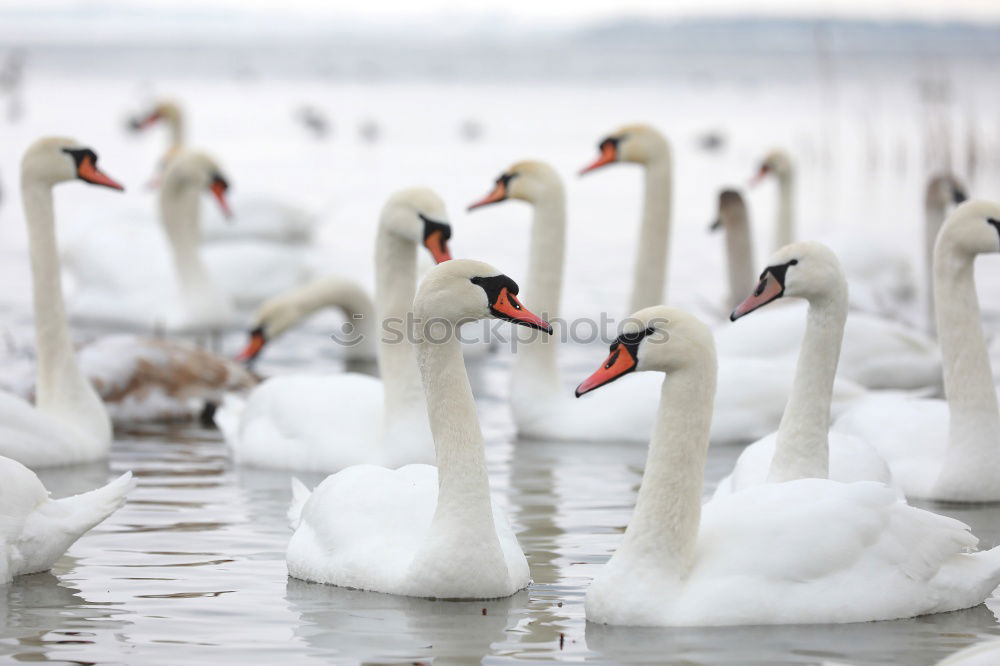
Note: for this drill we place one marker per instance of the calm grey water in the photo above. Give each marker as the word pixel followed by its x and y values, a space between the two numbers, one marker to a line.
pixel 192 569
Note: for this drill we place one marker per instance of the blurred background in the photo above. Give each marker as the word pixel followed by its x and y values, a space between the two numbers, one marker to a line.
pixel 330 106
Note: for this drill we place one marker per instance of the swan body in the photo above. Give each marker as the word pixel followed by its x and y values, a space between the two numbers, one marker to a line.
pixel 260 218
pixel 35 530
pixel 142 380
pixel 419 530
pixel 946 450
pixel 328 422
pixel 150 380
pixel 803 447
pixel 68 423
pixel 752 391
pixel 801 551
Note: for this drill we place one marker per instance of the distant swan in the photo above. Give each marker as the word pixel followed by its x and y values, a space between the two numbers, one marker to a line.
pixel 325 422
pixel 753 391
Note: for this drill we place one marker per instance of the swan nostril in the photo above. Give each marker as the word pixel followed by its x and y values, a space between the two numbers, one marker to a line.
pixel 760 287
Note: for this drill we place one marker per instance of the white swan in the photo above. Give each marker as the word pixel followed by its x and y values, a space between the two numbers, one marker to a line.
pixel 752 394
pixel 289 308
pixel 423 531
pixel 645 145
pixel 946 449
pixel 327 422
pixel 68 423
pixel 803 551
pixel 803 447
pixel 35 530
pixel 881 277
pixel 124 278
pixel 735 224
pixel 260 218
pixel 943 190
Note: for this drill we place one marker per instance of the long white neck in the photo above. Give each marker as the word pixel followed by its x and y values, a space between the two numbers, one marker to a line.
pixel 395 285
pixel 739 256
pixel 535 369
pixel 352 299
pixel 175 130
pixel 785 229
pixel 650 273
pixel 663 531
pixel 462 530
pixel 974 424
pixel 180 216
pixel 934 215
pixel 62 390
pixel 802 449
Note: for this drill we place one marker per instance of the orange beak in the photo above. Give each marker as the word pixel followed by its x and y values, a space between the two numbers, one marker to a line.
pixel 609 153
pixel 498 194
pixel 218 189
pixel 768 289
pixel 253 348
pixel 506 306
pixel 619 362
pixel 141 124
pixel 760 175
pixel 438 246
pixel 88 171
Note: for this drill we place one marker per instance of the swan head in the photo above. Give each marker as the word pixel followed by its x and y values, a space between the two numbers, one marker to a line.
pixel 732 210
pixel 464 290
pixel 274 317
pixel 776 163
pixel 637 142
pixel 657 338
pixel 943 190
pixel 196 170
pixel 418 215
pixel 972 228
pixel 528 180
pixel 165 109
pixel 806 269
pixel 52 160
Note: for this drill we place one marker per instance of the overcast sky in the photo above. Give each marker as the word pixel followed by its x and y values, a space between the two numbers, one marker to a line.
pixel 563 11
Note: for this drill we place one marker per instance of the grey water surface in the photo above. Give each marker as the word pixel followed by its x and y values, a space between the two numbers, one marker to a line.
pixel 192 570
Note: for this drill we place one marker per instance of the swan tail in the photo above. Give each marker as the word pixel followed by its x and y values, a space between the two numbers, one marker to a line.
pixel 300 495
pixel 86 510
pixel 971 579
pixel 227 417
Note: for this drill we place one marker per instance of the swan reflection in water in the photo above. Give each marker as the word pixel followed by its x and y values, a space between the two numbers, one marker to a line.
pixel 919 640
pixel 370 626
pixel 45 619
